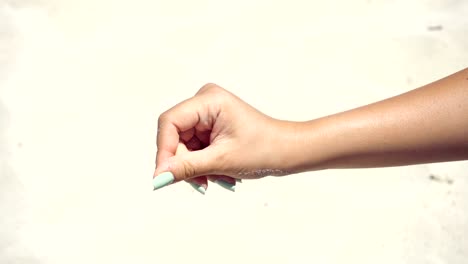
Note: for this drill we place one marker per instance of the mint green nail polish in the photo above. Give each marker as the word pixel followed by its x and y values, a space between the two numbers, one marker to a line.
pixel 199 188
pixel 226 185
pixel 162 180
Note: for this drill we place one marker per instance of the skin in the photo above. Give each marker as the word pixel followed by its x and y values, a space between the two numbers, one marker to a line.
pixel 215 134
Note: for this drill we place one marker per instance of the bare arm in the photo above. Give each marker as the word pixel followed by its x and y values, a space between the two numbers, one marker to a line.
pixel 429 124
pixel 225 138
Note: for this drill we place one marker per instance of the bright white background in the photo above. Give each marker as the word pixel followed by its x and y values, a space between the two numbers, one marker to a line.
pixel 83 82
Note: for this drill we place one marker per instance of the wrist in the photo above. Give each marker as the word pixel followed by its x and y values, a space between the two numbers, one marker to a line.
pixel 306 146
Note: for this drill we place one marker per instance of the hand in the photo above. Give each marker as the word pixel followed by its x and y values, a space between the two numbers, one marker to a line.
pixel 222 137
pixel 216 135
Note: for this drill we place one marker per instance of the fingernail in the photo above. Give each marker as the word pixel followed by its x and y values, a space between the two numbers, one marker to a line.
pixel 226 185
pixel 199 188
pixel 162 180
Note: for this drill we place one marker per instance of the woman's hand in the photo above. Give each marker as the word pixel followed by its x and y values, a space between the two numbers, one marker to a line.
pixel 224 136
pixel 216 135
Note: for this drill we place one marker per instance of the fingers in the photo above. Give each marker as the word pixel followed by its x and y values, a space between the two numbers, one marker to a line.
pixel 185 133
pixel 182 118
pixel 195 115
pixel 199 183
pixel 194 144
pixel 186 164
pixel 192 164
pixel 203 136
pixel 226 182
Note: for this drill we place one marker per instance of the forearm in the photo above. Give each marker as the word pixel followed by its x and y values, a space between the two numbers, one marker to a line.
pixel 429 124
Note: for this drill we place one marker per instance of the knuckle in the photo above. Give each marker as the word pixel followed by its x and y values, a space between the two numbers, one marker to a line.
pixel 215 93
pixel 209 87
pixel 163 118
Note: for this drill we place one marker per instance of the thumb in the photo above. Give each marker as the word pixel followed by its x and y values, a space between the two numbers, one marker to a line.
pixel 186 165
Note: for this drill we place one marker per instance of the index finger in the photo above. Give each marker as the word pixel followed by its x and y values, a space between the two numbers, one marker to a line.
pixel 179 118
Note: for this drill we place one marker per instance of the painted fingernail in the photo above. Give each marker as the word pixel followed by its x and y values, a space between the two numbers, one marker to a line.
pixel 226 185
pixel 199 188
pixel 162 180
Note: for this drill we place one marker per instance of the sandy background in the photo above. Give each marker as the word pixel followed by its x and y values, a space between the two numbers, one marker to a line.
pixel 81 86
